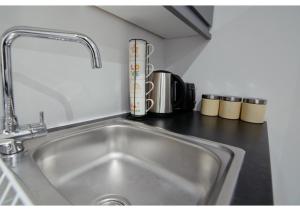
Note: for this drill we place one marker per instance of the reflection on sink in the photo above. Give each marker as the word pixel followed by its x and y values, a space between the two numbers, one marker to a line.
pixel 123 162
pixel 144 166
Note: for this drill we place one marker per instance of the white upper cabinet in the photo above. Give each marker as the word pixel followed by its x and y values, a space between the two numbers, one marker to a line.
pixel 167 21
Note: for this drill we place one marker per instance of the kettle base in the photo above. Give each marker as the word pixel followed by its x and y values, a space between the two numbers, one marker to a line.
pixel 153 114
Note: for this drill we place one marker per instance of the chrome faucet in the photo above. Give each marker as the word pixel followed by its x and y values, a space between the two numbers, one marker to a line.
pixel 13 132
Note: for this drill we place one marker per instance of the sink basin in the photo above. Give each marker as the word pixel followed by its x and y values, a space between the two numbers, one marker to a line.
pixel 121 162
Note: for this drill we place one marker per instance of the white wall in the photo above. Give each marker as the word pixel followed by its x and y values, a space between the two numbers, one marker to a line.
pixel 255 52
pixel 57 77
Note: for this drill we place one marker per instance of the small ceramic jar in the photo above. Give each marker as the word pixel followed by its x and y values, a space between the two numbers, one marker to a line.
pixel 210 104
pixel 253 110
pixel 230 107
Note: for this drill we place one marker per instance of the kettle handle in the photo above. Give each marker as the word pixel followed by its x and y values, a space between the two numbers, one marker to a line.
pixel 177 94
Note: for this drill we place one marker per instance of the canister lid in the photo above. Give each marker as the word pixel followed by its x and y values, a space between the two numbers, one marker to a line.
pixel 231 98
pixel 211 96
pixel 137 39
pixel 259 101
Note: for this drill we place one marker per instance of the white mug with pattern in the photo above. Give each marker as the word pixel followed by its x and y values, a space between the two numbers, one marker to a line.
pixel 140 49
pixel 138 106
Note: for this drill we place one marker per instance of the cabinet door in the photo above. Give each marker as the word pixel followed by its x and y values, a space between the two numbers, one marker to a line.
pixel 198 18
pixel 167 21
pixel 205 12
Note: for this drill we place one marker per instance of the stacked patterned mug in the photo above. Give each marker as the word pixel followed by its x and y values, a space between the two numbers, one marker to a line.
pixel 139 71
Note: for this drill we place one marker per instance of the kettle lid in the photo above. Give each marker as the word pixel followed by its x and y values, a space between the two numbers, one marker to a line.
pixel 161 71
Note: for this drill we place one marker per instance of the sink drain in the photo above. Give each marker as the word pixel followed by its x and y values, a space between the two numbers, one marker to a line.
pixel 112 200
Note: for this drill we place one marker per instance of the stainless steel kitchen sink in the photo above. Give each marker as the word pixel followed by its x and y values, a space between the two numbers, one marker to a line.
pixel 120 162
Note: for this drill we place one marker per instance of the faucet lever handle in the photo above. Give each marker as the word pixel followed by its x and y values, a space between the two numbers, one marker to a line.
pixel 42 120
pixel 38 129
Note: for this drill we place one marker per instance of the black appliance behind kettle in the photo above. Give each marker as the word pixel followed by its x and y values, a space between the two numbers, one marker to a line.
pixel 188 103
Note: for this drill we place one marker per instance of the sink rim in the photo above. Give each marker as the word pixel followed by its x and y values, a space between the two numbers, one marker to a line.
pixel 224 195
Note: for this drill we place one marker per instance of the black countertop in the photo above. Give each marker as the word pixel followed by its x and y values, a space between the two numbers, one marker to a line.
pixel 254 186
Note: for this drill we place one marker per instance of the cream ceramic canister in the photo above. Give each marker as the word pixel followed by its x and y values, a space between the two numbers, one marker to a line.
pixel 210 104
pixel 230 107
pixel 254 110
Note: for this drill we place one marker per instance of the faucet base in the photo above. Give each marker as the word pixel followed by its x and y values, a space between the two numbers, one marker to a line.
pixel 12 143
pixel 10 146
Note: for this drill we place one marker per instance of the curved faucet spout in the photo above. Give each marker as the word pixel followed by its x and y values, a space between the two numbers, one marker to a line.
pixel 24 31
pixel 10 123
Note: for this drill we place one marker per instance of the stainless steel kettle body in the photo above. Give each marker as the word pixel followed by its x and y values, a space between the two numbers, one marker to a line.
pixel 167 93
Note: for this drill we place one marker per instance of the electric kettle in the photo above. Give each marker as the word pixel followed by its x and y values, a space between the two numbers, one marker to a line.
pixel 168 92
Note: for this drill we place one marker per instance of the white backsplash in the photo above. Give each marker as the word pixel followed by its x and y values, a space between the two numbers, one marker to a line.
pixel 57 77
